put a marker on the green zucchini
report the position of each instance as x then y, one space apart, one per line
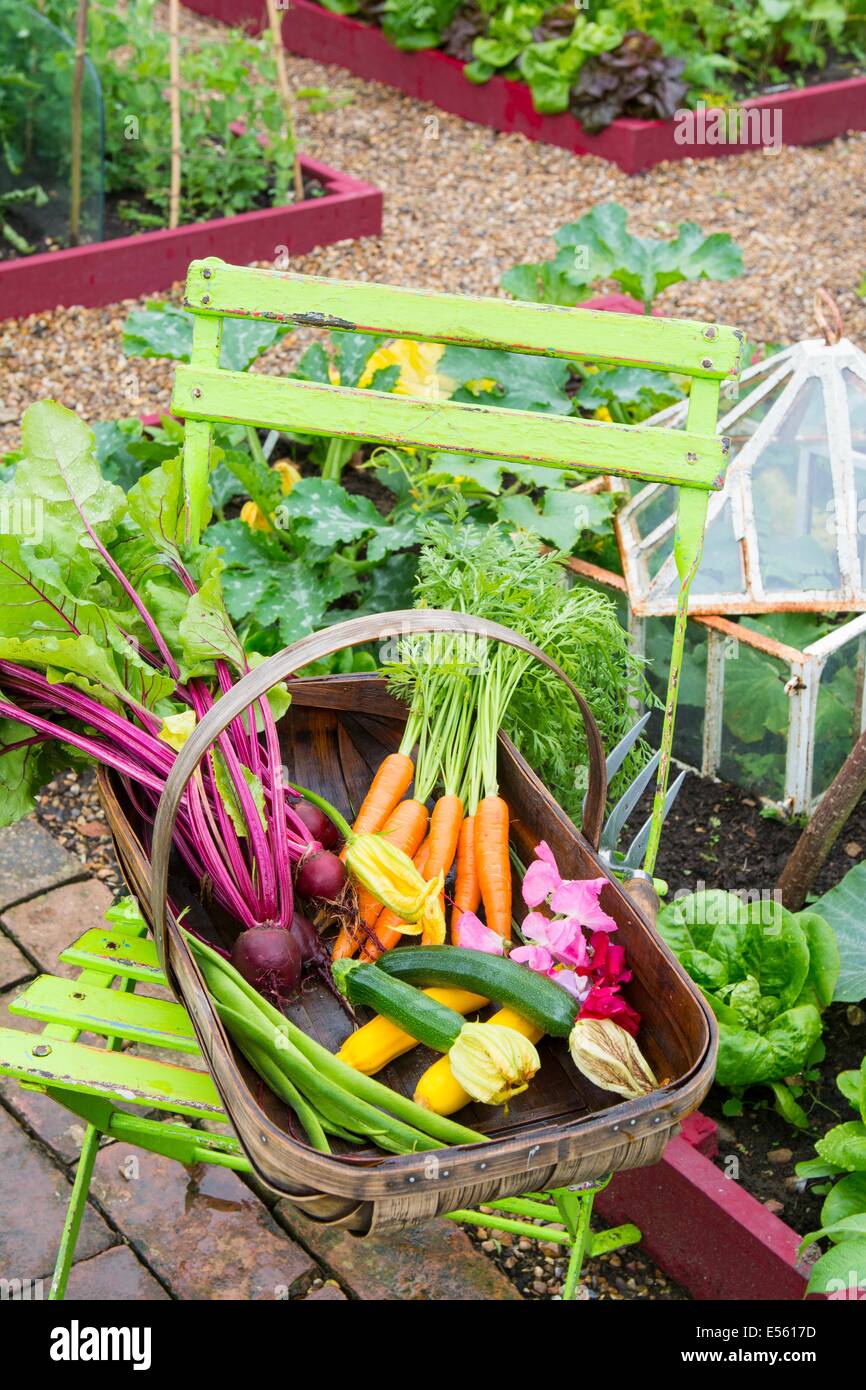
529 994
423 1018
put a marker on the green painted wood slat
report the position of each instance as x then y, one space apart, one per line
117 1076
702 349
112 1013
522 436
115 954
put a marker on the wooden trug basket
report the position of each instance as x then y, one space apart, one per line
562 1130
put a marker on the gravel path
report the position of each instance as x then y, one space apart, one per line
463 203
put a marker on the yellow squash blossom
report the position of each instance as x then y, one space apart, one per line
417 363
252 514
391 877
492 1063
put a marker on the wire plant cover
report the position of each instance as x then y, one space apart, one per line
784 535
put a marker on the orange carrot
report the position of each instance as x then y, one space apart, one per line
467 891
389 786
405 829
494 865
444 834
385 933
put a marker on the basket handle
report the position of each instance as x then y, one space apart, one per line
256 683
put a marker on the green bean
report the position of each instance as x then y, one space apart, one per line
279 1083
365 1088
343 1107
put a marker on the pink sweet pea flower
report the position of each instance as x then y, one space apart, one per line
563 937
542 877
578 985
472 933
578 897
536 957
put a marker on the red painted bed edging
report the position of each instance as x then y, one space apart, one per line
704 1229
808 116
107 271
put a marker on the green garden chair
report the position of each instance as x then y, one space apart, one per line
114 1091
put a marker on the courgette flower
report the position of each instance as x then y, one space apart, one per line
492 1063
417 363
609 1057
252 515
391 877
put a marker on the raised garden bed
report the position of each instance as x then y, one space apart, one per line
808 116
107 271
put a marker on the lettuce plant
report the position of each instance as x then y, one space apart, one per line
842 1155
767 974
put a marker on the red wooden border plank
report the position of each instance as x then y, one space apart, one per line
107 271
808 116
705 1230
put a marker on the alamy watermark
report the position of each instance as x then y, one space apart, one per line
22 517
22 1290
758 126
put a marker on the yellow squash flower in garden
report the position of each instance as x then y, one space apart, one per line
252 514
417 363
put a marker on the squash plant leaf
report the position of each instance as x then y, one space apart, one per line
162 330
564 516
639 392
323 512
483 376
842 906
644 266
549 282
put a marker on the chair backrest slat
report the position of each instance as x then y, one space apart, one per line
672 345
204 392
520 436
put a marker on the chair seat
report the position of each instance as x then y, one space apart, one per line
101 1001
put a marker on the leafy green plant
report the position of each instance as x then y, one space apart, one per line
599 247
236 154
842 906
414 24
637 78
517 39
842 1155
627 57
767 974
34 196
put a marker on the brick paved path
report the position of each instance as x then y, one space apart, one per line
154 1229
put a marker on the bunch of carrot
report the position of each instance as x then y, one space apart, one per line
455 713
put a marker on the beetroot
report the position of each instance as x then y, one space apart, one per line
306 936
270 959
320 826
321 875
